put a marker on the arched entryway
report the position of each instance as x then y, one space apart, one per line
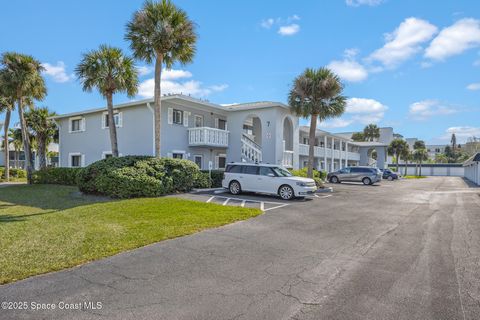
287 142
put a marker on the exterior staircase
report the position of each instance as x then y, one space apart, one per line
251 151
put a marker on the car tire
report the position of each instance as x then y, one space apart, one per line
366 181
334 179
286 192
234 187
390 178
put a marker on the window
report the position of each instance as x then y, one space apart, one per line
198 160
265 171
250 169
177 155
345 170
222 162
222 124
248 129
106 155
75 160
305 140
117 118
198 121
282 172
77 124
177 116
234 169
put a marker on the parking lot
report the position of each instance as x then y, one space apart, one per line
404 249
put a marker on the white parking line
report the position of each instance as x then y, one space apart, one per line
245 201
277 207
211 198
225 202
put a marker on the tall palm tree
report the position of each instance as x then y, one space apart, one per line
316 93
7 104
396 148
110 71
162 33
43 129
419 144
15 136
406 156
371 132
25 82
420 155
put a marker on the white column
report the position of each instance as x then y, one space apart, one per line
333 154
346 153
325 153
340 153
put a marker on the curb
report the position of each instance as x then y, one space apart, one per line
325 190
206 190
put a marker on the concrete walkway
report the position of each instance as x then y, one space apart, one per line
402 250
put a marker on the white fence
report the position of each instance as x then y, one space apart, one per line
472 169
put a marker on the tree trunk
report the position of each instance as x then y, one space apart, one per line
17 157
42 152
396 158
406 167
26 142
158 105
311 144
112 128
7 150
420 172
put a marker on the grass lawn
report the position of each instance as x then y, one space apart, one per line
47 227
414 177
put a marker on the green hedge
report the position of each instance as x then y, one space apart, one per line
14 173
65 176
318 176
138 176
217 177
202 181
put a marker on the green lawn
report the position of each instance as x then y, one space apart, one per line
414 177
47 227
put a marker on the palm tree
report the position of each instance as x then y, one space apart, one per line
358 136
43 129
420 155
22 78
7 104
316 93
110 71
163 33
419 144
15 136
371 132
406 156
396 148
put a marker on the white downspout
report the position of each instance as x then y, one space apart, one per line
153 127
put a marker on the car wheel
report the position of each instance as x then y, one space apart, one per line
366 181
235 187
390 178
286 192
334 179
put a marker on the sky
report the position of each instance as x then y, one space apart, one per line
412 65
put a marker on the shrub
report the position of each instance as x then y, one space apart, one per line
138 176
202 180
217 177
318 176
65 176
14 173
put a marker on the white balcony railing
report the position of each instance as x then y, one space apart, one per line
205 136
320 152
251 151
317 151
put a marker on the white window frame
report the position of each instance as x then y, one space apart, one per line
176 111
82 124
217 160
115 113
201 159
195 117
76 154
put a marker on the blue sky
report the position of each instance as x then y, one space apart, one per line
413 65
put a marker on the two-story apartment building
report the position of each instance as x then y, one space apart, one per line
206 133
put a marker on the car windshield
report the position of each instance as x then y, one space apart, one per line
282 172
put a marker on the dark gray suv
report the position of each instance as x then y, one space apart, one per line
367 175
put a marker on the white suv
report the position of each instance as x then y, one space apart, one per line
266 178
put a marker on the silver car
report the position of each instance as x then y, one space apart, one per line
367 175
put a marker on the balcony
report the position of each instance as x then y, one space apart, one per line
317 151
287 159
320 152
207 137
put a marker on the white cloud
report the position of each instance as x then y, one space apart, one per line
404 42
462 133
358 110
425 109
473 86
476 63
348 68
57 72
289 30
357 3
267 23
144 70
172 83
462 35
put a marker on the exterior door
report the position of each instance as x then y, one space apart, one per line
248 178
266 181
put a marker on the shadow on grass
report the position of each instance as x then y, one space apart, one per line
4 218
